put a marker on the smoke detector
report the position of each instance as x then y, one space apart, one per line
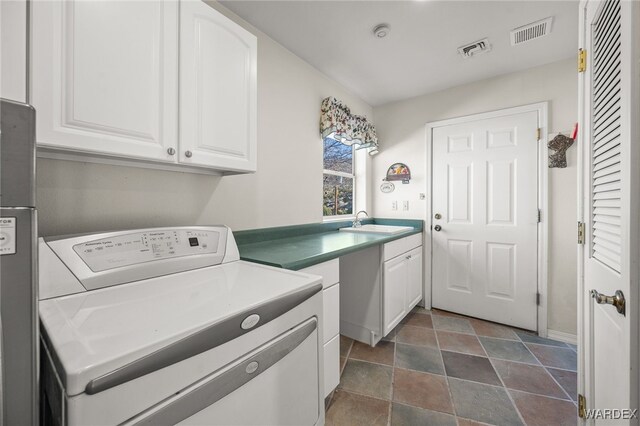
381 30
475 48
531 31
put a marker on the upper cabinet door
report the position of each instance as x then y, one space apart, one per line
104 77
217 90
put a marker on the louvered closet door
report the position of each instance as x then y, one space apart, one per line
606 179
606 139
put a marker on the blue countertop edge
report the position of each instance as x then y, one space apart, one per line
279 235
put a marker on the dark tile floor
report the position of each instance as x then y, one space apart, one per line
438 368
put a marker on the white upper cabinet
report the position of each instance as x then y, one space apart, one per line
217 90
113 81
104 77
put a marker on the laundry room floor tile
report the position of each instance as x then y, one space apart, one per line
528 378
418 320
406 415
550 356
455 324
470 367
533 338
483 403
440 368
419 358
418 336
381 354
507 349
567 379
539 410
459 342
366 378
422 390
490 329
350 409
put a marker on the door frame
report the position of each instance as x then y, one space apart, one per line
542 109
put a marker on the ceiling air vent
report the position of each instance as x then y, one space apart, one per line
474 48
531 31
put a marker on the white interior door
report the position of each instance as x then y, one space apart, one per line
485 215
609 187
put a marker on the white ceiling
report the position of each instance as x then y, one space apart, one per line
420 53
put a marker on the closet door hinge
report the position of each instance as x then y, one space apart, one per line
539 216
582 60
538 133
580 232
537 299
582 406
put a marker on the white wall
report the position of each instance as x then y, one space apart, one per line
287 189
401 130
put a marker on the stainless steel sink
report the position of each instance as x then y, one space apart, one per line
378 229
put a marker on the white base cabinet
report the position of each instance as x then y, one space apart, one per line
402 287
380 286
159 82
330 273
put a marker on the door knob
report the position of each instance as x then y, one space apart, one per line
188 154
437 228
616 300
438 216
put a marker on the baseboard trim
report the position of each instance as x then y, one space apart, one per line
562 336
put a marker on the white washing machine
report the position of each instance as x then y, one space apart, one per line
167 326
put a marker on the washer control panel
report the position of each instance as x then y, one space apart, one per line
141 247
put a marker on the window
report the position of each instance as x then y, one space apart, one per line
338 179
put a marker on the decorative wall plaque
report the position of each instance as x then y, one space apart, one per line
399 171
559 144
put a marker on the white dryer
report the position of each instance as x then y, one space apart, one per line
167 326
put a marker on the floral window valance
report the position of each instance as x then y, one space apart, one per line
338 124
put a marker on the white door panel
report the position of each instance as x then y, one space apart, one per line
608 172
485 190
104 77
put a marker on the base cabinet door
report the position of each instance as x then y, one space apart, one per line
394 292
103 77
414 277
217 90
331 365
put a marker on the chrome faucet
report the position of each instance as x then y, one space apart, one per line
356 222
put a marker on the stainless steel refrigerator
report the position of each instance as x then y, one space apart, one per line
18 265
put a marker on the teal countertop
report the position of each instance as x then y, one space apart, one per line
298 247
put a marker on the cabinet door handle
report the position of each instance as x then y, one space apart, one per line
171 151
188 154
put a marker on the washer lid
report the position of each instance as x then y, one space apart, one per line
106 337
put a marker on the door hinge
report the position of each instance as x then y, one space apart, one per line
539 216
538 133
582 406
537 299
582 60
580 232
